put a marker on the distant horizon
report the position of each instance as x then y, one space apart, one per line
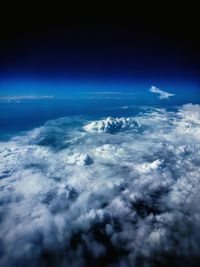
66 87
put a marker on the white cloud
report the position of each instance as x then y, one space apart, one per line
108 151
110 125
149 166
162 94
136 204
79 159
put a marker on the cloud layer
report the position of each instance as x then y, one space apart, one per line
72 197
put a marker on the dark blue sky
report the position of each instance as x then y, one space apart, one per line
139 48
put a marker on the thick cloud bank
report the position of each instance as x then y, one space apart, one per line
162 94
72 198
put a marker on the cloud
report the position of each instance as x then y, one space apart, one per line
162 94
191 113
20 98
148 167
125 199
79 159
110 125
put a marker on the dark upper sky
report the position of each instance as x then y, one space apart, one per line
133 44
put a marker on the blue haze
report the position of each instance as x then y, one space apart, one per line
84 98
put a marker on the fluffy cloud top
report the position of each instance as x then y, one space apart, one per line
110 125
71 198
162 94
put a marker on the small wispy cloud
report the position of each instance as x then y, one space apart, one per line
29 97
162 94
74 197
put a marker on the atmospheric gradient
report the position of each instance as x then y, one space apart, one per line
99 138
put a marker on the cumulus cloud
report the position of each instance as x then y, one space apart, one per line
125 199
148 167
79 159
110 125
162 94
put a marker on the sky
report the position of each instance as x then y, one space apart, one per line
144 47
